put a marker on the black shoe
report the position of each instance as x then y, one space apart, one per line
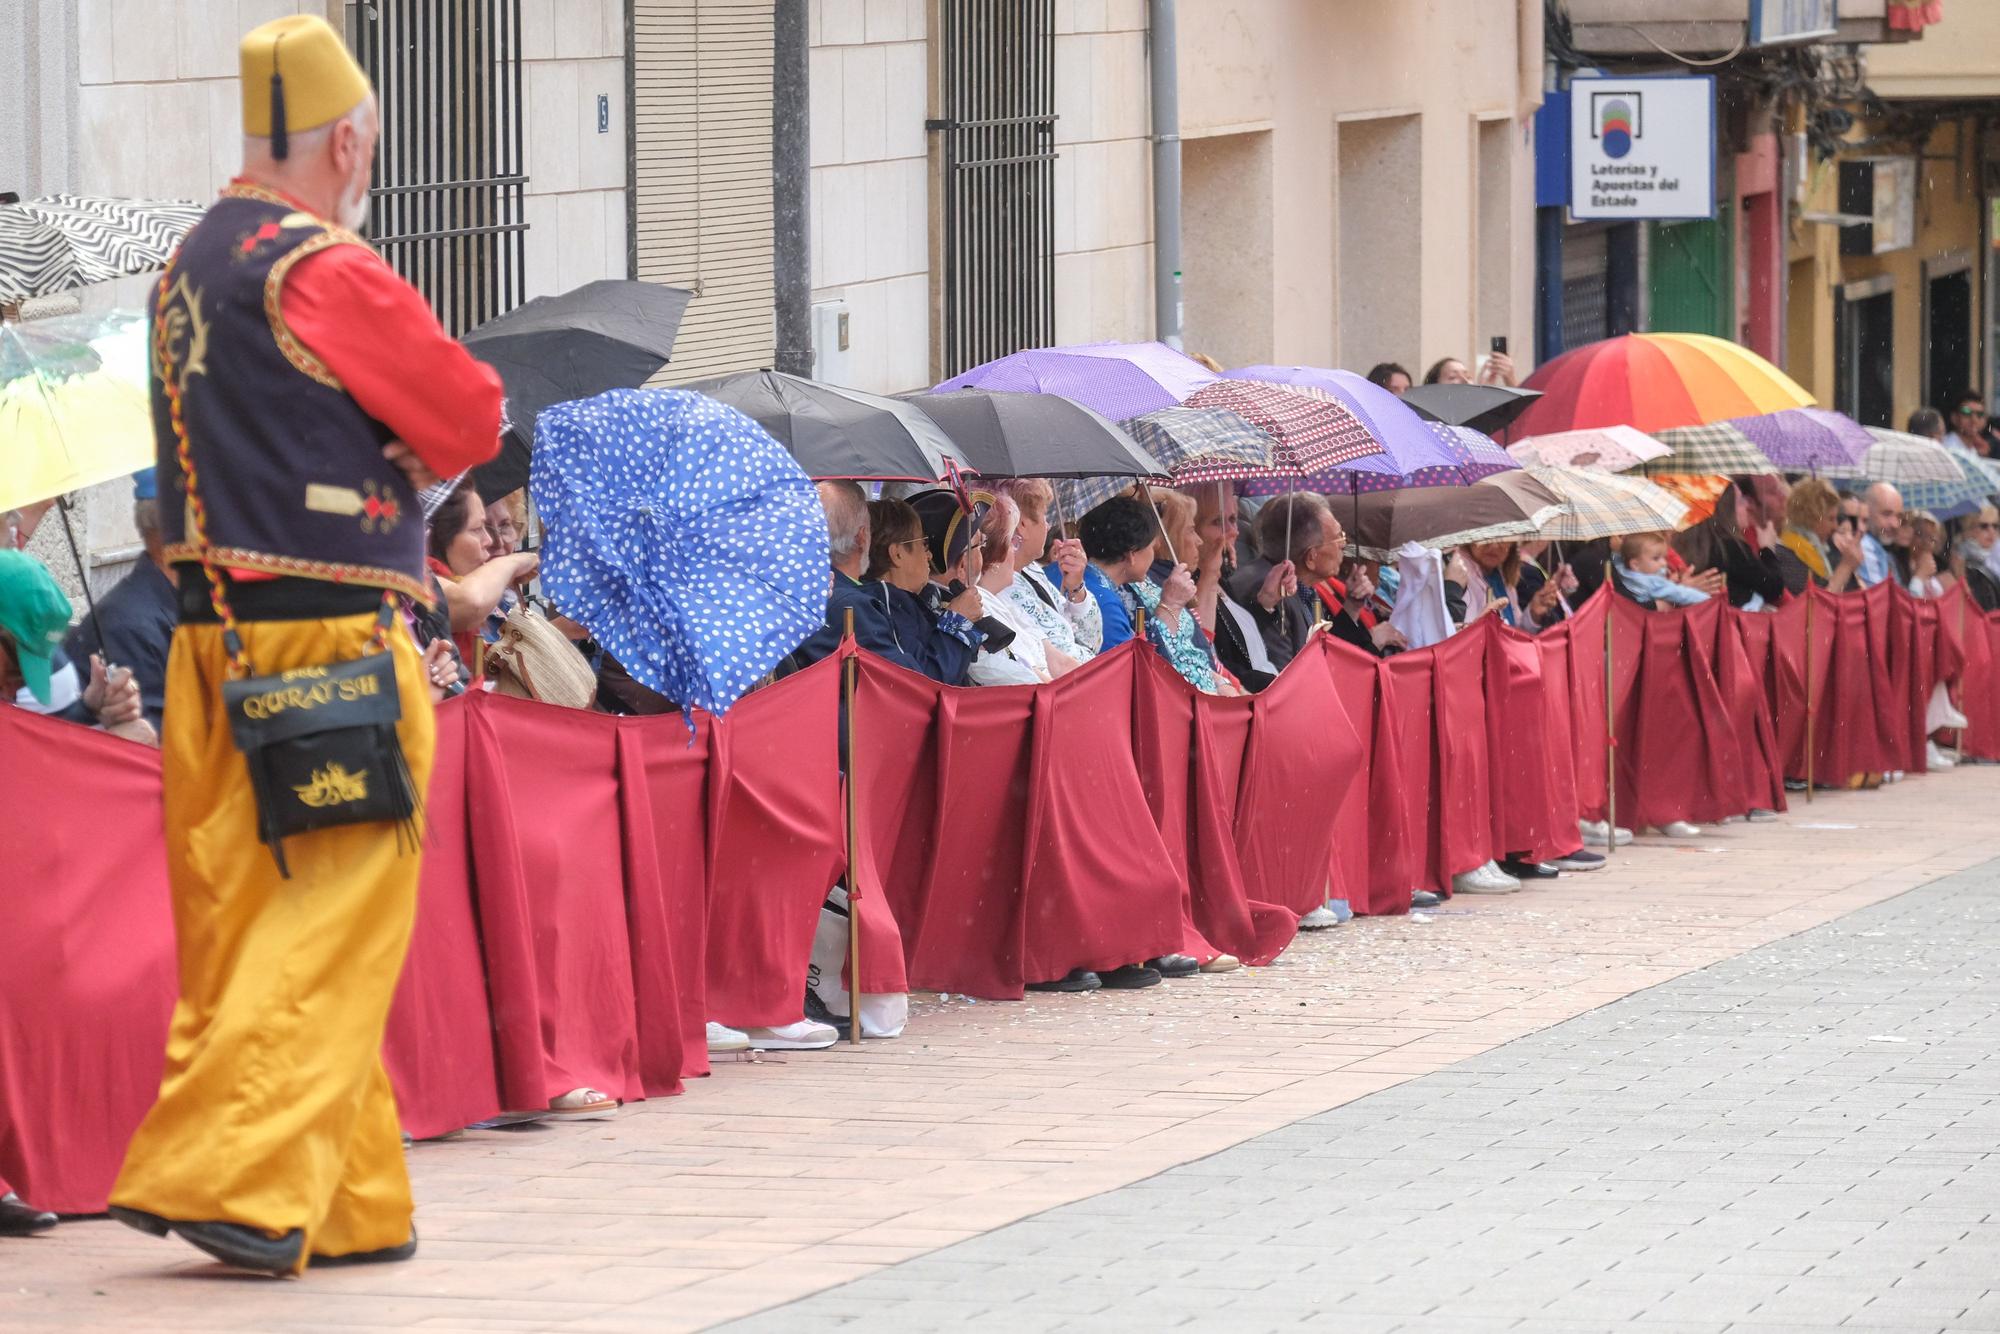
1424 898
18 1218
1131 977
1174 965
1581 860
1524 871
151 1224
1078 979
386 1256
245 1247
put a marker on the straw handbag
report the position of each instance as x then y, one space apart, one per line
534 660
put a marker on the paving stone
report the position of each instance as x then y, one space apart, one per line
1761 1219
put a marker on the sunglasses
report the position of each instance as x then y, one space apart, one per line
1972 412
1987 526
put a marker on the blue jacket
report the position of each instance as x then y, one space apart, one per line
893 624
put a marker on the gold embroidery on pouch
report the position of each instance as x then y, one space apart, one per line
324 499
334 786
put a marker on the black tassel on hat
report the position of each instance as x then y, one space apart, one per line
279 147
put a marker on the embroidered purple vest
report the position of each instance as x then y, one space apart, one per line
290 467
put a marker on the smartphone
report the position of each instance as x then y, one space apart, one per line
1500 344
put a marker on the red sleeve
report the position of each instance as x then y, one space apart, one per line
378 337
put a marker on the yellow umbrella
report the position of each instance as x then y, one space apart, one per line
73 405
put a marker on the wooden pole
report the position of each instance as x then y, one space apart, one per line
1963 598
1809 689
848 673
1610 717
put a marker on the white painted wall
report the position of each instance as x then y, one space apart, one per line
155 112
871 179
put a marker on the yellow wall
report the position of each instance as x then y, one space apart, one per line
1948 223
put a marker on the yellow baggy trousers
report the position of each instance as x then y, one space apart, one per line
274 1110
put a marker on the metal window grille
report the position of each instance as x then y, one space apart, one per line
997 134
448 199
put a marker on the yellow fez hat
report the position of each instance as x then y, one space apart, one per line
297 76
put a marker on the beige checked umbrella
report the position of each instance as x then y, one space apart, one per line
1720 450
1601 504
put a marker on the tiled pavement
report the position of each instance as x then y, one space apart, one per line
1806 1137
776 1180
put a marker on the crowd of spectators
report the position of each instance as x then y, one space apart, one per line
983 588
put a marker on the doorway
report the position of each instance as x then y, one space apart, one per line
1865 336
1947 337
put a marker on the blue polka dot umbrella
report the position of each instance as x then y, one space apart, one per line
682 536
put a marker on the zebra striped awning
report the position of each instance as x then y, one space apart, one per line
60 242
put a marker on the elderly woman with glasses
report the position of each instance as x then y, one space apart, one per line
1975 557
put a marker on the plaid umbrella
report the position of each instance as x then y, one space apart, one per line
1309 434
1903 460
1120 380
62 242
1607 448
1806 439
1602 504
1915 465
1720 450
1193 444
1988 468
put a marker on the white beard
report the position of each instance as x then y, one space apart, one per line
354 211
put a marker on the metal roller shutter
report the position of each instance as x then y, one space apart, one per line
701 175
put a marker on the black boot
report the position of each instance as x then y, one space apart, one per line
18 1218
387 1255
245 1247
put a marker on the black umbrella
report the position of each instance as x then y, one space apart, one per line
1035 435
835 432
613 334
1488 408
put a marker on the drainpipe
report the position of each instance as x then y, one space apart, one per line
791 177
1160 24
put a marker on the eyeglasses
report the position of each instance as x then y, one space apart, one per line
1987 526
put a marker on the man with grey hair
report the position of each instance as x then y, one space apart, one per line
134 623
1885 523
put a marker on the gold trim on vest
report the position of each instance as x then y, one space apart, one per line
257 562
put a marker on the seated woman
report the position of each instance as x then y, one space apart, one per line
1168 594
898 575
477 584
1068 617
1029 651
1751 575
1814 546
1971 558
1490 574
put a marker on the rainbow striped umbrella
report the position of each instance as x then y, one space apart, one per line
1655 382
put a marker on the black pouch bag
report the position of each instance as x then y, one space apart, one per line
321 746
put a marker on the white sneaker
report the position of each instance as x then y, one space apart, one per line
721 1037
1948 714
805 1035
1762 815
1487 879
1597 833
1680 829
1319 919
1936 759
1894 776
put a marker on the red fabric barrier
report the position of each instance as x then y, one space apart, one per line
597 888
777 842
89 981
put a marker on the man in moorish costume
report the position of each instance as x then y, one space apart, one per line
302 393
